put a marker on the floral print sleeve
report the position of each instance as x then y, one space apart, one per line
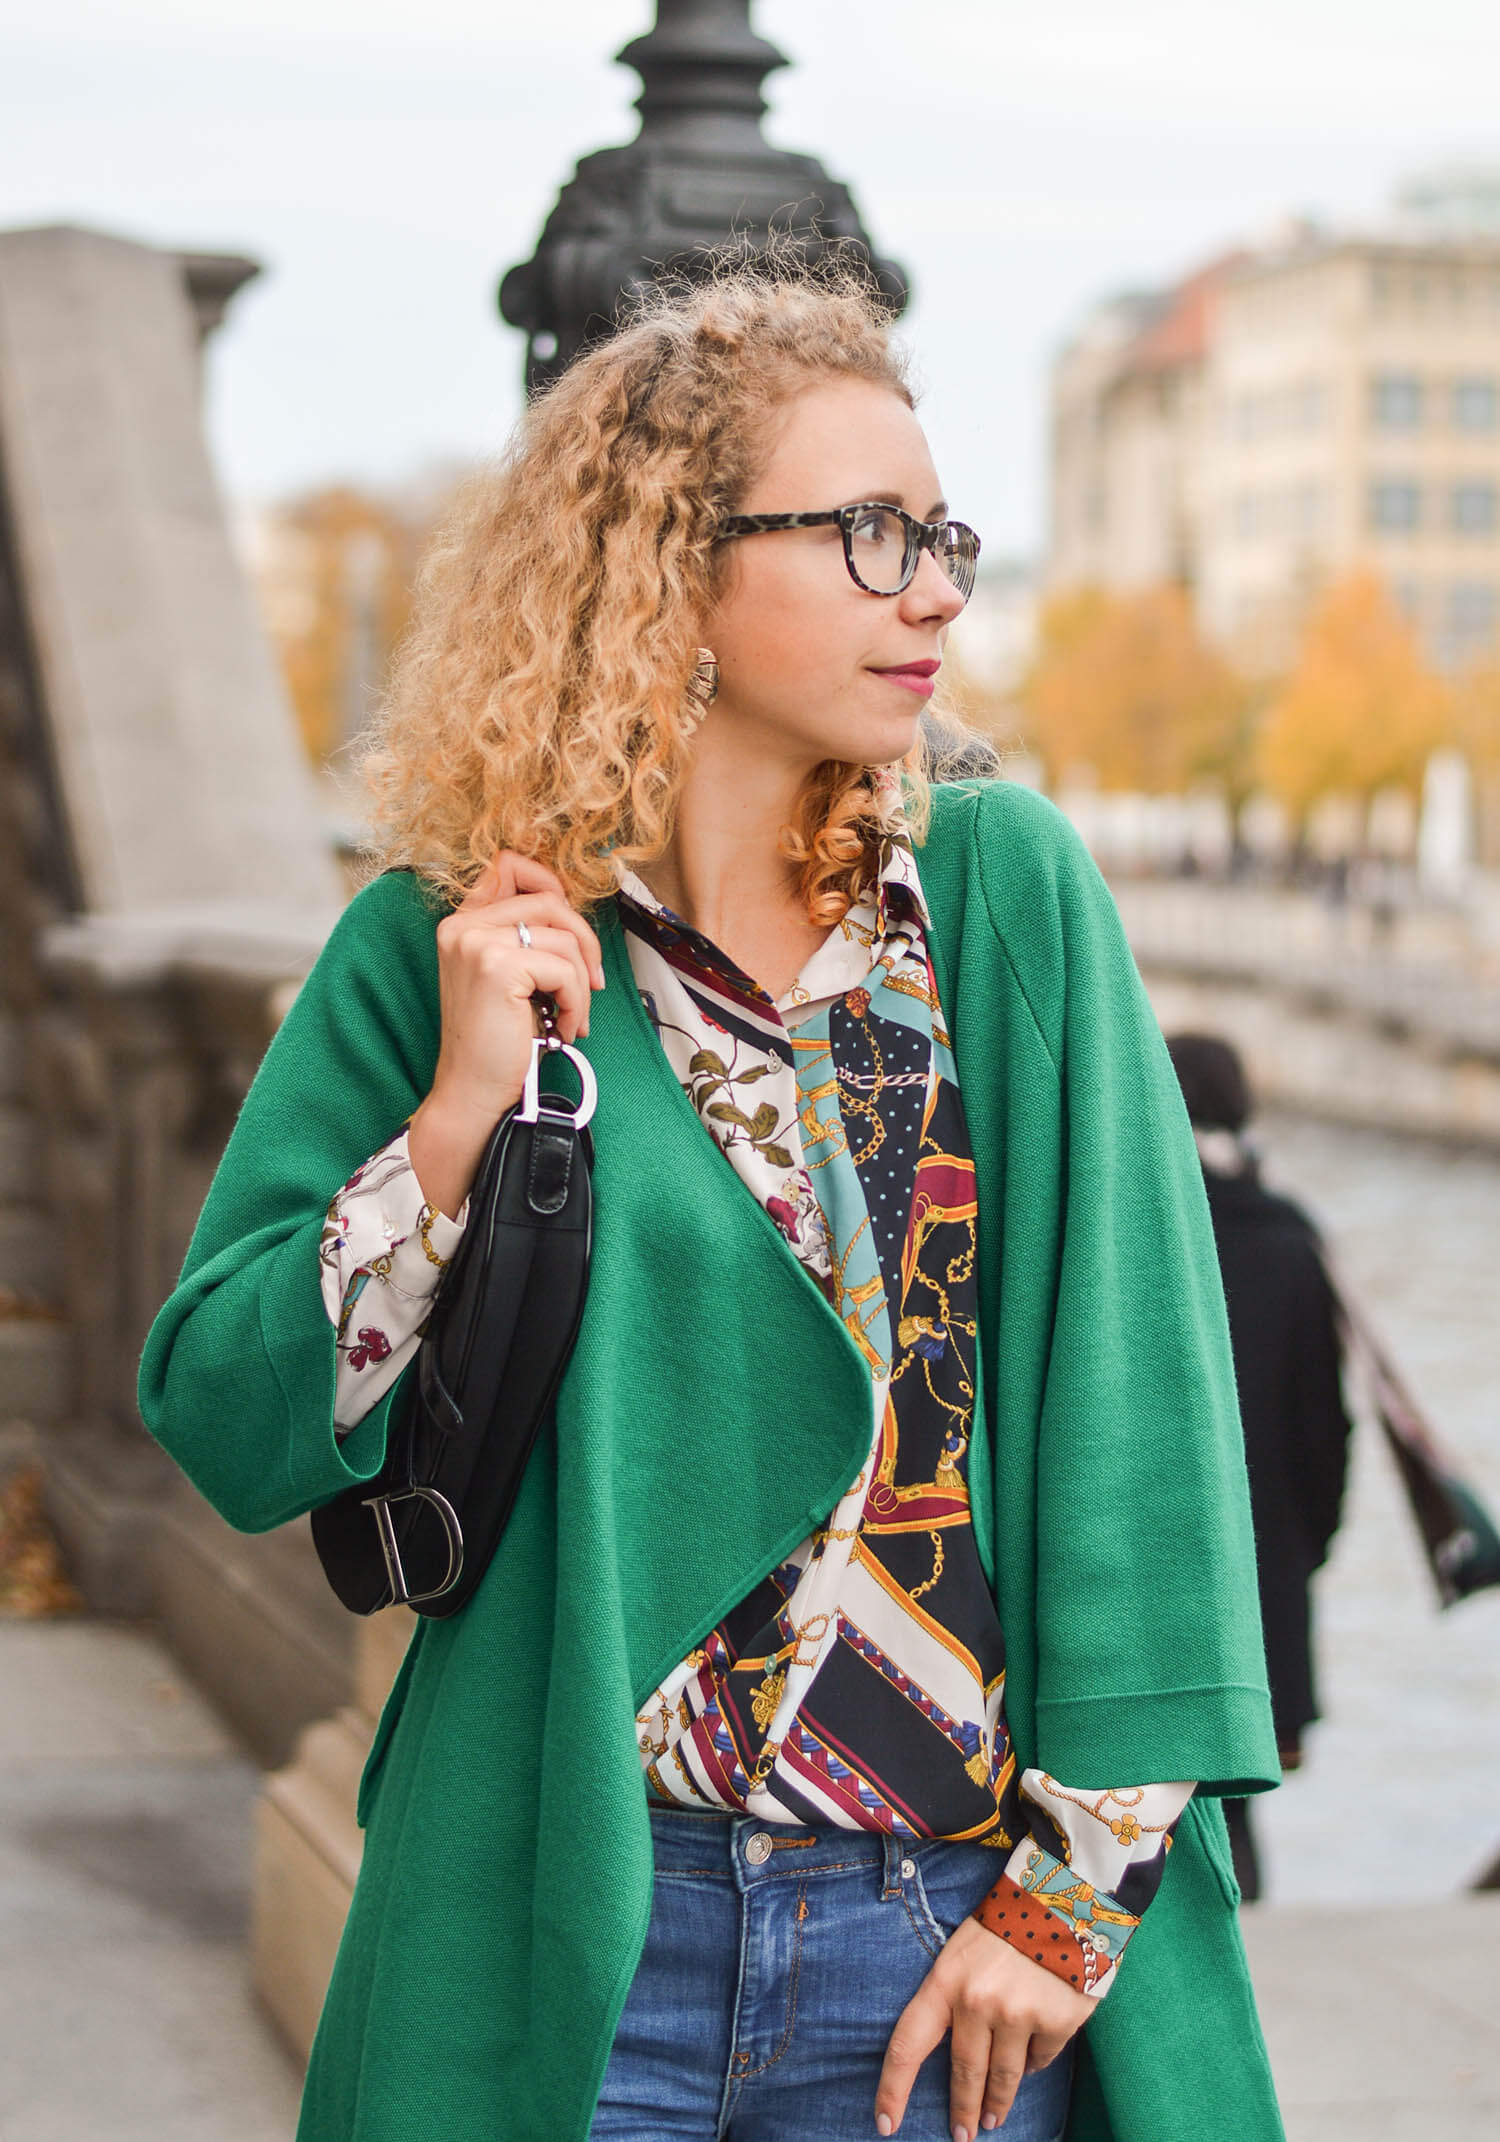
382 1253
1073 1891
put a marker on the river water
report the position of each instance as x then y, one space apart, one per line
1399 1796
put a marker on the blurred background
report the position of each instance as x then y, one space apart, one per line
1206 308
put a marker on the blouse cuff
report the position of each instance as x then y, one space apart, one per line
1040 1907
383 1251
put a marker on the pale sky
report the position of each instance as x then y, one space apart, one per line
387 162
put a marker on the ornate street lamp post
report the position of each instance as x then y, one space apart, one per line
699 172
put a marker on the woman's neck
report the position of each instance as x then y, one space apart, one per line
723 871
723 862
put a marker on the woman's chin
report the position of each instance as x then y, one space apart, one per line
876 736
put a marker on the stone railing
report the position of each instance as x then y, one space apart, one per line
141 1042
1346 1012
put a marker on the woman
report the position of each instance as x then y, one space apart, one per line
812 1748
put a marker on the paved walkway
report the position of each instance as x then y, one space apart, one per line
125 2013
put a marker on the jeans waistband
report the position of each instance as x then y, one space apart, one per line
739 1850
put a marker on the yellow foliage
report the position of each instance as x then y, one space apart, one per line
346 561
1123 684
1361 710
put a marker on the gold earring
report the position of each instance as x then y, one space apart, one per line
702 689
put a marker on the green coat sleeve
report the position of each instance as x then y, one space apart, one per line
237 1377
1148 1622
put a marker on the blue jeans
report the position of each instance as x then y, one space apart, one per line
775 1967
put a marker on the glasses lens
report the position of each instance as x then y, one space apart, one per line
957 552
878 548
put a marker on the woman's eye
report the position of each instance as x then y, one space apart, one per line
872 528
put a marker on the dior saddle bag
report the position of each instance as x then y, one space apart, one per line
506 1313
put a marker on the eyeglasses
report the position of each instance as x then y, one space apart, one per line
882 545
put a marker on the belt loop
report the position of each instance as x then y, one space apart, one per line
891 1870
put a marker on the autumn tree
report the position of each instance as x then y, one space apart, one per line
1124 685
335 572
1361 710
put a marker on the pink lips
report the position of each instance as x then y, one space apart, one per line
918 677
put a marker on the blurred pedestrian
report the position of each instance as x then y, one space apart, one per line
1288 1363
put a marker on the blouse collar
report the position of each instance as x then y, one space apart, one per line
897 894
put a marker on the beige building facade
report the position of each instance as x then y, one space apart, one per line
1285 417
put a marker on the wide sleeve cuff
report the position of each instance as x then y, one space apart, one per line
1220 1734
1055 1926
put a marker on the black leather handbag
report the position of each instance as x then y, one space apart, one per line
502 1325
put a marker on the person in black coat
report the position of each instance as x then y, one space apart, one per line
1288 1365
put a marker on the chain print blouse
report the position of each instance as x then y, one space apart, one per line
861 1684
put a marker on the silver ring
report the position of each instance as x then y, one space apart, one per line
524 934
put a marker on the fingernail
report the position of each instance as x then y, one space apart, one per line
990 2121
960 2134
883 2123
599 982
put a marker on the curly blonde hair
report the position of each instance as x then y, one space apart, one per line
537 699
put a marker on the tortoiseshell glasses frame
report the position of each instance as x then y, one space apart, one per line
869 530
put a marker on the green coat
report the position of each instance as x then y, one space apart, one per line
506 1883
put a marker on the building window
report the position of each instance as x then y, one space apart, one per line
1396 401
1471 615
1474 404
1395 505
1473 508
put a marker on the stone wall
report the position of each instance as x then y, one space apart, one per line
165 880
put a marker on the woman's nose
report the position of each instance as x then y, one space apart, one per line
931 593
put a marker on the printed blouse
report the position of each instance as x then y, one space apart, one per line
861 1684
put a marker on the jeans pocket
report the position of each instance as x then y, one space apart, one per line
948 1882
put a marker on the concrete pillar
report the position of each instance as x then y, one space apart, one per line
178 771
307 1844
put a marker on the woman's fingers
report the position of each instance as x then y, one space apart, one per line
508 873
556 952
1006 2013
1045 2047
920 2029
555 975
542 905
1007 2065
980 2063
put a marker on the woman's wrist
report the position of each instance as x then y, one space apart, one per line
445 1143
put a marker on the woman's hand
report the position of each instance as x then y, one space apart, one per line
486 980
1007 2014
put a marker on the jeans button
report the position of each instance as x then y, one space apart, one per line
758 1848
908 1869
